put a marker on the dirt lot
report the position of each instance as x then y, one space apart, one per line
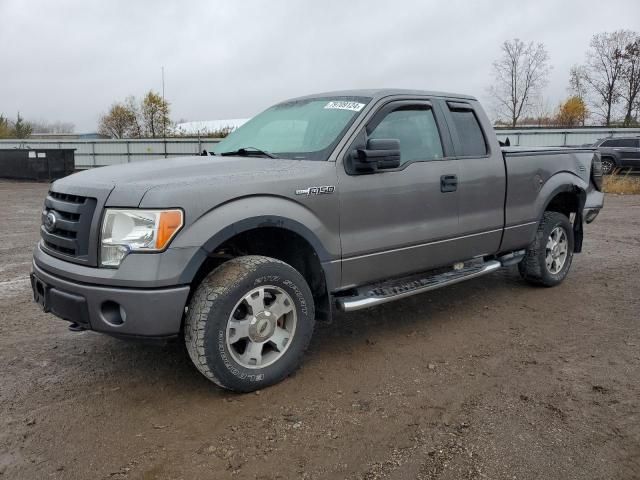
487 379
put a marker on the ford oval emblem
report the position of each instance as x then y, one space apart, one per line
50 221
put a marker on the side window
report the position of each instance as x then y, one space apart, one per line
472 139
627 143
417 131
621 143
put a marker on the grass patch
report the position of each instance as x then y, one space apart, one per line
621 184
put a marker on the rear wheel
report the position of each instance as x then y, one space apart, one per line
548 258
249 323
608 165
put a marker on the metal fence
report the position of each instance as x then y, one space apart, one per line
96 153
554 137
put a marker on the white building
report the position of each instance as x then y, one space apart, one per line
205 127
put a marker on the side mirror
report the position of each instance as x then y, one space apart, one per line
381 153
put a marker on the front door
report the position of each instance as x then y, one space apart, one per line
395 222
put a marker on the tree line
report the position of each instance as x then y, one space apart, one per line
146 118
17 128
605 89
132 118
21 128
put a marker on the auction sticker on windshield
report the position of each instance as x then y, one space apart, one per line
341 105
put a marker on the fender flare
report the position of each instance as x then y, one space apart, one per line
576 187
559 183
266 221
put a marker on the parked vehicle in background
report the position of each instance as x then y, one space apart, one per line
619 152
340 200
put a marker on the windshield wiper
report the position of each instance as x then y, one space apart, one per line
247 151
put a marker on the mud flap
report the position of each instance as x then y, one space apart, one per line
578 233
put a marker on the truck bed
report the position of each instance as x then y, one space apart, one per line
527 187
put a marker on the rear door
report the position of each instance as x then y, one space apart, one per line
394 222
481 179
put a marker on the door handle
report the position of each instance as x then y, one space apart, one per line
448 183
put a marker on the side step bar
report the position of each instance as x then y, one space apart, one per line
387 292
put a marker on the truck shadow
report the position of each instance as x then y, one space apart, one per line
170 365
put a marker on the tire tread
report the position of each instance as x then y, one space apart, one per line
217 284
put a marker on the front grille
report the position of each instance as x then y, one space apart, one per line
69 234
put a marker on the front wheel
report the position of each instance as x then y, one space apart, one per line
249 323
548 258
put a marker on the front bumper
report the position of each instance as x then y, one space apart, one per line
138 312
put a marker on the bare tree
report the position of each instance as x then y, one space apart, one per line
135 127
578 88
118 122
578 82
604 68
519 74
43 126
630 79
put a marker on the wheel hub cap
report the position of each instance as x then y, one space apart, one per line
557 250
262 327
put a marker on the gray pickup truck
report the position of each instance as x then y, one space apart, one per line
335 201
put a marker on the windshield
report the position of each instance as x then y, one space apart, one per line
300 129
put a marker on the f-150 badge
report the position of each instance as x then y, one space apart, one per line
316 190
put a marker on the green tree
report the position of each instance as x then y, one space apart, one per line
21 129
5 127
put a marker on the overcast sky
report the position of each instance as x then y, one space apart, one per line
70 60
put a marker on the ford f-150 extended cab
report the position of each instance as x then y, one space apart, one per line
341 200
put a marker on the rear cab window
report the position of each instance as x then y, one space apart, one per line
471 139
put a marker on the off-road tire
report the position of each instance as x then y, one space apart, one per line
533 267
211 307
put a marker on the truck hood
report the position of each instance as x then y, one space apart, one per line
196 184
129 183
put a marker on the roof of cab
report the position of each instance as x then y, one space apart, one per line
377 93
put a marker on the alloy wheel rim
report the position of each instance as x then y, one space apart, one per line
261 327
557 250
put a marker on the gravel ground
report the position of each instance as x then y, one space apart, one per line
490 378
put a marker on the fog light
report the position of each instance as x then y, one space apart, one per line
113 313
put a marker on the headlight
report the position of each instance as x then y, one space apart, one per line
125 231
